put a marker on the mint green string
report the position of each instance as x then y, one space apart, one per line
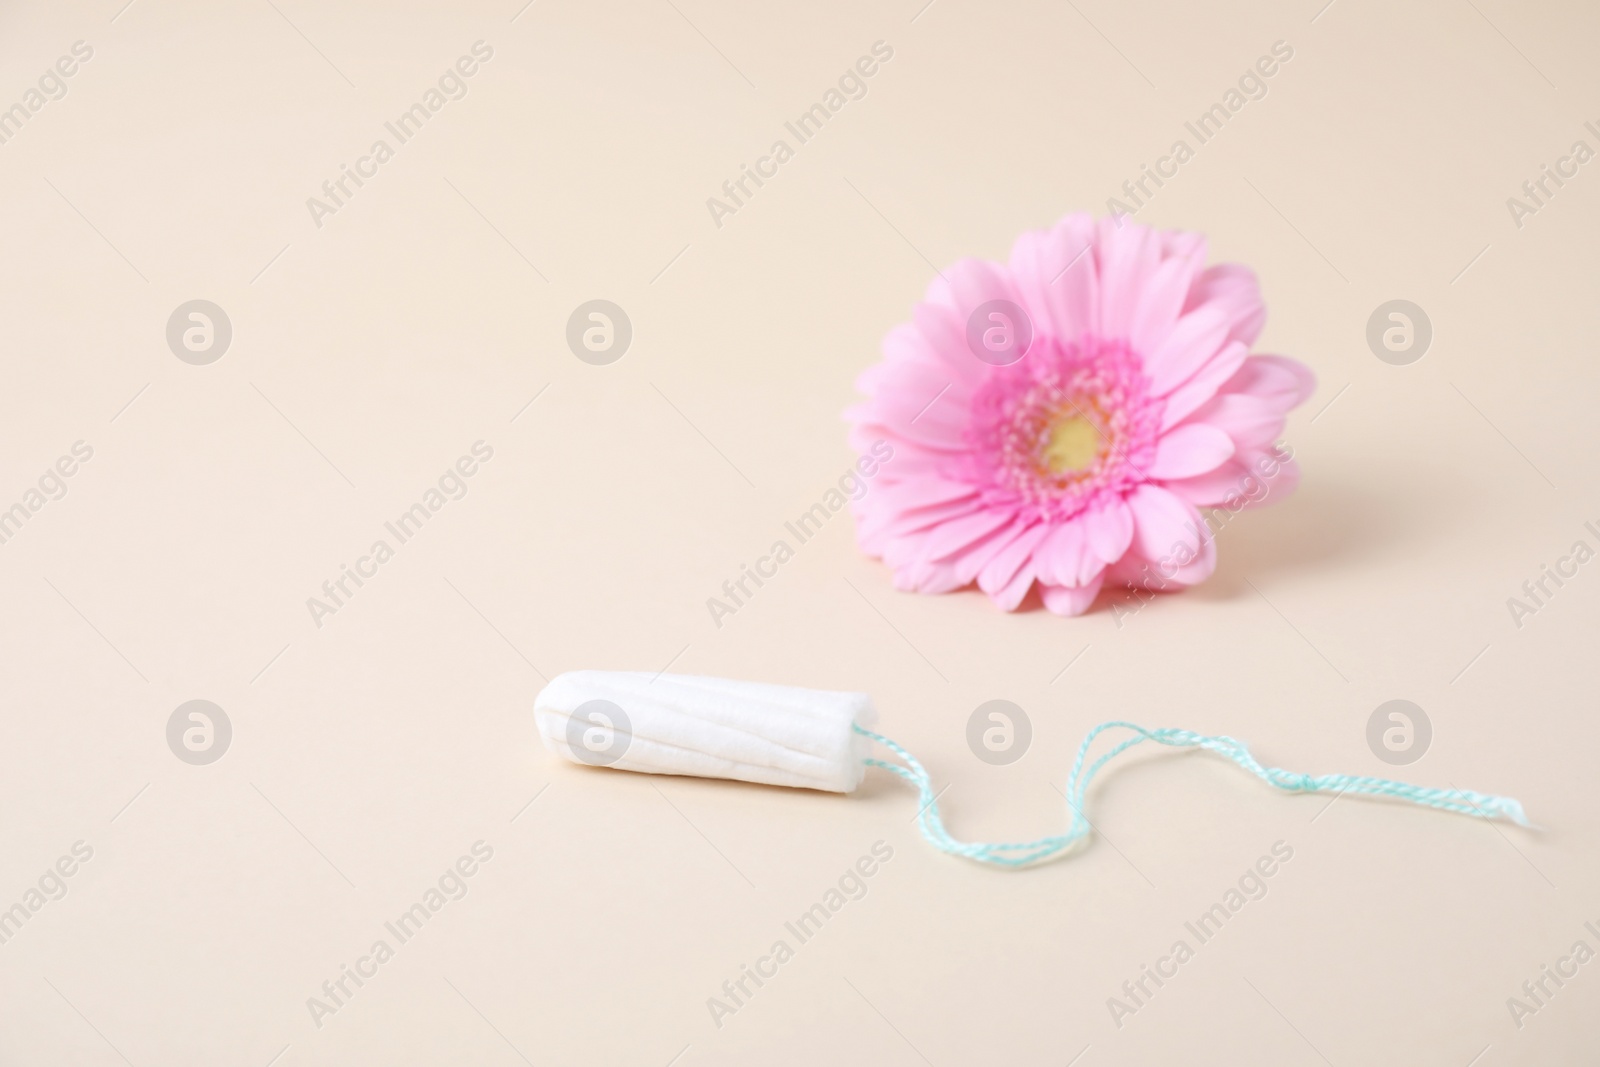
1022 853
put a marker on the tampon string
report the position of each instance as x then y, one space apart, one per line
1022 853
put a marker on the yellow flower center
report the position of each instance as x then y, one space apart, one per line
1074 445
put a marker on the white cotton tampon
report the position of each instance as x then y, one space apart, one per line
707 727
818 739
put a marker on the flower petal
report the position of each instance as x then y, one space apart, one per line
1071 599
941 318
1170 573
1190 450
1286 381
917 398
1109 529
1230 482
968 282
1059 556
1185 244
1128 255
1253 422
1010 561
1165 524
926 577
1234 289
1245 481
978 557
1158 304
900 532
1198 336
1200 567
959 535
1056 275
1205 384
922 493
1009 596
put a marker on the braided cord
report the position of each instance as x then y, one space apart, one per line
1022 853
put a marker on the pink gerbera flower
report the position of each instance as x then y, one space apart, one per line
1059 420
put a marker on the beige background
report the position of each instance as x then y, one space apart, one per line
370 353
